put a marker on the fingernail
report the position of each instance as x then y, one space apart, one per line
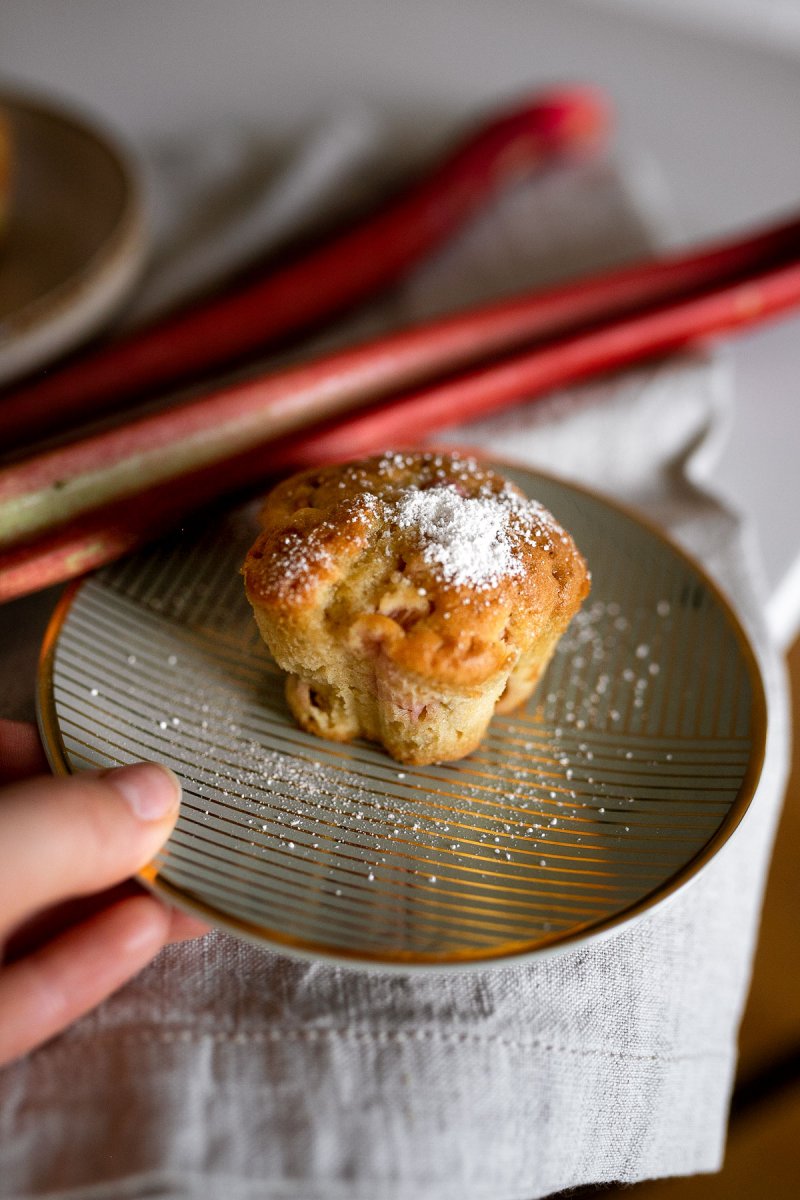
151 790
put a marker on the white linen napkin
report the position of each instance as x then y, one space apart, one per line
228 1071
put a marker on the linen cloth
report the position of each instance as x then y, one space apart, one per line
225 1070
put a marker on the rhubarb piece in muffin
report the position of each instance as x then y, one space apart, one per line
410 596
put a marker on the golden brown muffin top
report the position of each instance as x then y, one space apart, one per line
431 558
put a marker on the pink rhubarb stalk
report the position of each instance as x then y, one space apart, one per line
99 537
91 472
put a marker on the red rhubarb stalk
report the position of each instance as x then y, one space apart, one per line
100 537
343 271
91 472
595 352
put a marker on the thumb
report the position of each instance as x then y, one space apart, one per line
61 838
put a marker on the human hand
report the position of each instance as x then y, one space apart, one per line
73 925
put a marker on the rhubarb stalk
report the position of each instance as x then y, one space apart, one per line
91 472
99 537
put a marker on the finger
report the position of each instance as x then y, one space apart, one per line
21 752
51 922
48 924
183 928
42 994
61 838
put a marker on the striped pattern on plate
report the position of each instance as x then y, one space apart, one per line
631 765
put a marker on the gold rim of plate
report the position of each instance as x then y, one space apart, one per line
711 795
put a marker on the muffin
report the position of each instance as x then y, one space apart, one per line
410 596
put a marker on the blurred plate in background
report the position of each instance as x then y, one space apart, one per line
75 235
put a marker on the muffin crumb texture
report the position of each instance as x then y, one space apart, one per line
409 597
